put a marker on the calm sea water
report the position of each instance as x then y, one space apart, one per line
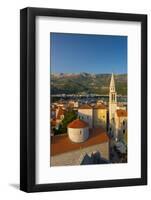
88 99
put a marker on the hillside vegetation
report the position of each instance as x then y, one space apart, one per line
85 83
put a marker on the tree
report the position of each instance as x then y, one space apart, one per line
69 116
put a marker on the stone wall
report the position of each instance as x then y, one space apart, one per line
78 134
74 157
86 115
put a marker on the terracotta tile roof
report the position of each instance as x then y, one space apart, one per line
62 144
59 113
85 106
100 106
78 123
121 113
53 122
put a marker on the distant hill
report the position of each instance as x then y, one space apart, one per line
85 83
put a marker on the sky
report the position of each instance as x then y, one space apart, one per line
98 54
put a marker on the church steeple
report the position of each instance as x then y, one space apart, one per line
112 100
112 93
112 107
112 84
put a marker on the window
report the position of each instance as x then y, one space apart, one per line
123 131
80 117
112 97
123 123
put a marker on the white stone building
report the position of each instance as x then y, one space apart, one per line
112 106
85 112
100 116
121 124
78 131
80 146
117 115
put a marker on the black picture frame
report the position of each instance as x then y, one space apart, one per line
28 99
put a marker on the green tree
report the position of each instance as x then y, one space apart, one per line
69 116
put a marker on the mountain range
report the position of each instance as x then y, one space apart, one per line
86 83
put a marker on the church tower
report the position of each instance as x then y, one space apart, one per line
112 105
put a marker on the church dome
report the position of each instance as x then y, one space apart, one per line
78 131
78 123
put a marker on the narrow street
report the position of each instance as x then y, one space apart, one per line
115 156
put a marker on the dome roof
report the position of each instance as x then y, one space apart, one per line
121 113
78 123
85 106
100 106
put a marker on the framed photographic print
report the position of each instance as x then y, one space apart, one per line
83 99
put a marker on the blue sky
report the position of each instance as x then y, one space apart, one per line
76 53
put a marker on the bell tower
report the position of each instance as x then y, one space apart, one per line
112 105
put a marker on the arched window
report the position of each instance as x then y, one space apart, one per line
112 97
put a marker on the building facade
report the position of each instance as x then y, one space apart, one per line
100 116
81 146
76 157
85 112
112 106
121 125
78 131
117 115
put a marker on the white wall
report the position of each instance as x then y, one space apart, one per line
9 98
78 134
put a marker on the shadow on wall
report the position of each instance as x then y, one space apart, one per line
100 123
94 158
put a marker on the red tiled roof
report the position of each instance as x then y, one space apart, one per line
85 106
53 122
62 143
121 113
78 123
100 106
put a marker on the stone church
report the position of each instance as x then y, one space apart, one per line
117 117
